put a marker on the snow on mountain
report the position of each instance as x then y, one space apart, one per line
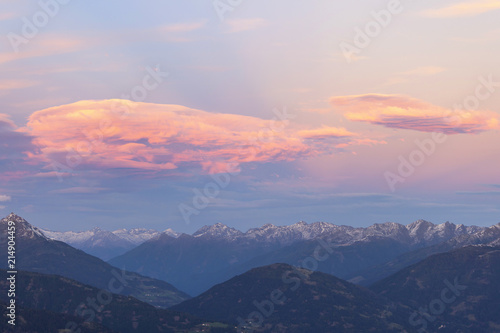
22 228
419 233
89 238
171 233
107 244
138 235
133 236
69 237
271 233
485 236
495 230
97 242
218 230
426 232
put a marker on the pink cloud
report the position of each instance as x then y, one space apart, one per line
239 25
182 27
404 112
326 133
6 122
469 8
46 45
113 134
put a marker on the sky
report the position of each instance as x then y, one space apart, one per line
180 114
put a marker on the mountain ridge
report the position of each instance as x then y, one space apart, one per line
37 253
283 298
420 231
215 253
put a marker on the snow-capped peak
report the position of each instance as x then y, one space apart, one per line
218 230
23 228
171 233
136 236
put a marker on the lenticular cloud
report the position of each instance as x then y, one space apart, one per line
404 112
112 134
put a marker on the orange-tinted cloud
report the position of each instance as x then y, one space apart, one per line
122 134
409 113
326 133
239 25
182 27
469 8
424 71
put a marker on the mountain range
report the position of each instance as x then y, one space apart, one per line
106 244
216 253
449 292
101 311
37 253
420 277
455 291
282 298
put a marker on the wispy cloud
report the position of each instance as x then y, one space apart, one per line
79 190
178 32
7 16
16 84
4 198
404 112
326 133
424 71
48 45
6 122
182 27
470 8
409 75
317 110
479 193
239 25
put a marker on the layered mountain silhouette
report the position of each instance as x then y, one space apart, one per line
283 298
422 278
38 321
484 236
456 291
106 244
74 306
37 253
216 253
